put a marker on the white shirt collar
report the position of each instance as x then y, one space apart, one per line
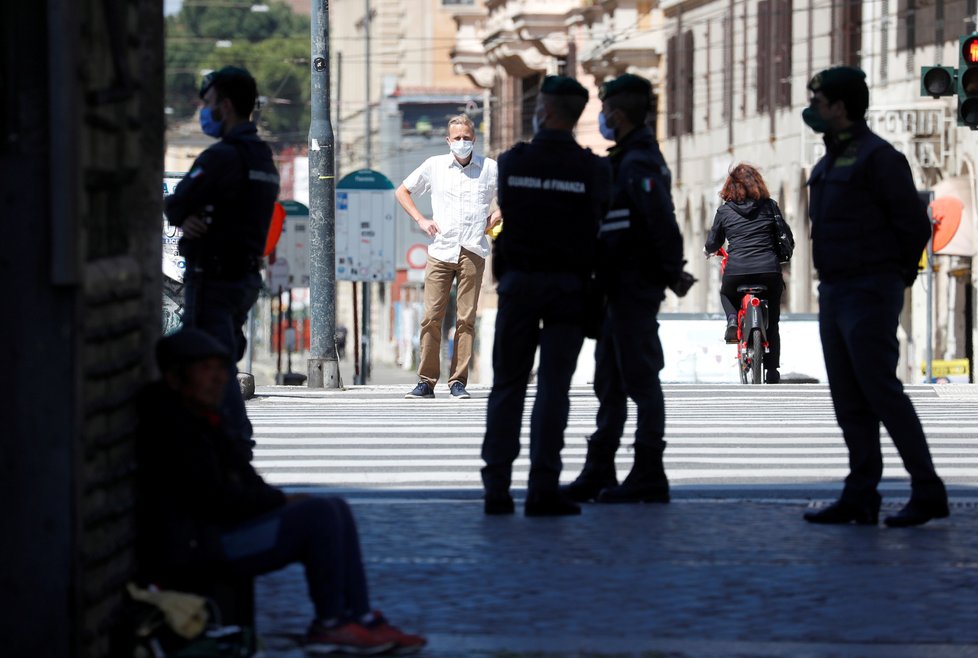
476 161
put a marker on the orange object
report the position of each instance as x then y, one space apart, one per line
947 217
275 228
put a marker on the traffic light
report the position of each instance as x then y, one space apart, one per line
937 81
968 82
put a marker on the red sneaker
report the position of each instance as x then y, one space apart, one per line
347 638
404 643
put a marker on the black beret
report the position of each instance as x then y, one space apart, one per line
226 74
561 85
838 81
627 82
188 346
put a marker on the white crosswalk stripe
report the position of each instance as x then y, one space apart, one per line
371 438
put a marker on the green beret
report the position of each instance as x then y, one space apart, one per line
228 73
561 85
627 82
838 80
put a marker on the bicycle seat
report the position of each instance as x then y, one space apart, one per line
753 290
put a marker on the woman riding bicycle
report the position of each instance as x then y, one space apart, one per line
746 221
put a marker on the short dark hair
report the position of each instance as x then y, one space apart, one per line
567 108
846 84
634 105
235 84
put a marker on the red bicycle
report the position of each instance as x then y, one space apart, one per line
752 343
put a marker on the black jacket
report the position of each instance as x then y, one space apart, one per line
866 215
748 228
192 484
639 240
552 192
237 178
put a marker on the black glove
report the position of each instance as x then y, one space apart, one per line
683 284
909 275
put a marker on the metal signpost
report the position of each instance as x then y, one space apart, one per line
323 367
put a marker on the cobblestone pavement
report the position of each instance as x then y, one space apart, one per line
737 575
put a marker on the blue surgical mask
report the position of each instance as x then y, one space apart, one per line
537 123
606 132
208 124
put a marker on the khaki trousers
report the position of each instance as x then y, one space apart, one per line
438 278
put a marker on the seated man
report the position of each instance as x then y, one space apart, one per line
204 512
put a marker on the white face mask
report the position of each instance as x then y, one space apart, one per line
461 148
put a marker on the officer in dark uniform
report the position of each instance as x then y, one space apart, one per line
552 193
868 231
224 206
640 254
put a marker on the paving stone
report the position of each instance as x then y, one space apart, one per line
688 578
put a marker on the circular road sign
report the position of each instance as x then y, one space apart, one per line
417 256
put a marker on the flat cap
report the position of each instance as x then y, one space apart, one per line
838 81
629 82
188 346
561 85
228 73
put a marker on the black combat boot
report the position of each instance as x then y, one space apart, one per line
598 473
646 483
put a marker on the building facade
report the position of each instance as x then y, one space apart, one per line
81 160
730 78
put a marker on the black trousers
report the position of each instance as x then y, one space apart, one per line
220 307
628 358
857 323
319 533
730 300
542 310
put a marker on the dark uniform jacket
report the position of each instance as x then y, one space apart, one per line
866 215
237 178
639 240
192 484
748 226
551 193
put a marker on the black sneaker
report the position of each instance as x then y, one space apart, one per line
730 334
772 376
458 391
422 390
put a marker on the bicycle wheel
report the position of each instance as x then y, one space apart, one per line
743 365
755 355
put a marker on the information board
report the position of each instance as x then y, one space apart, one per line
293 246
365 232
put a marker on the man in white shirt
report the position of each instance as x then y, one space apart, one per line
462 187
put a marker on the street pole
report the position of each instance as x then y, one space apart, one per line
323 368
366 86
365 286
930 294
